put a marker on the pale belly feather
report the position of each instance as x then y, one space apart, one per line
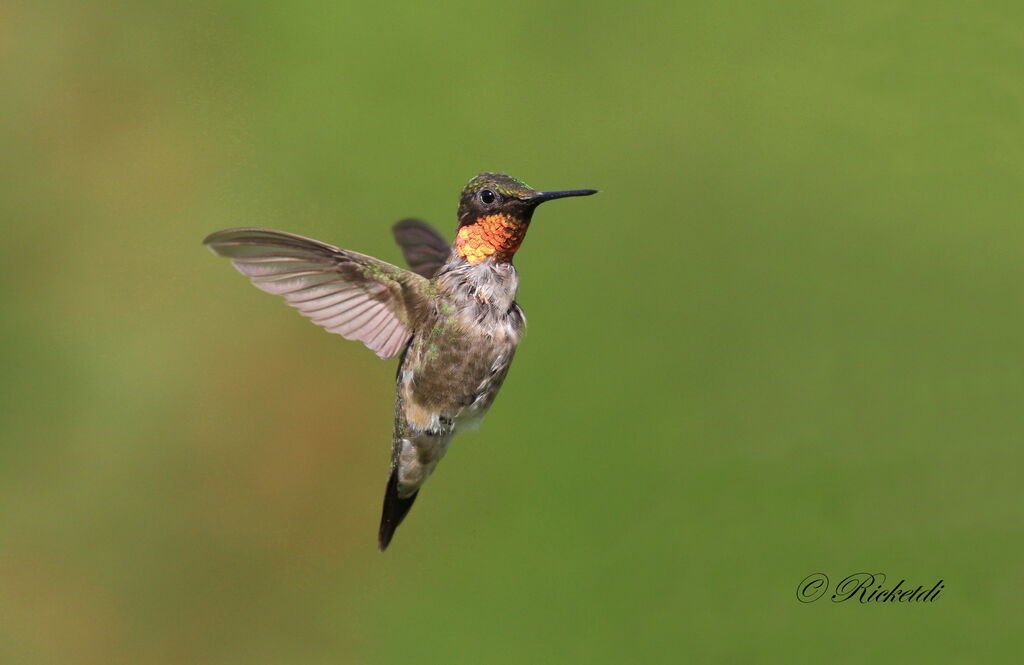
445 386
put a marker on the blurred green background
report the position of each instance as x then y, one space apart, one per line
786 337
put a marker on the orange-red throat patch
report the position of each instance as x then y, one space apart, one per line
499 235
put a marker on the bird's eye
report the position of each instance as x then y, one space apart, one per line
487 197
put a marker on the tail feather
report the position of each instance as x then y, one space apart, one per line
395 509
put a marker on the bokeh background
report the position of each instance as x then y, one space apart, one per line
785 338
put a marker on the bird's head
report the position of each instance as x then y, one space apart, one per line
494 213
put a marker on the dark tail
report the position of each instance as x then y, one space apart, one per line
394 512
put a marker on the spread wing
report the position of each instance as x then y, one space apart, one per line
350 294
425 249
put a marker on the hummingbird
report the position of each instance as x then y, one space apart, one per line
452 317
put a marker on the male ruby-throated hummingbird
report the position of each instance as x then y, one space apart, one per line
453 316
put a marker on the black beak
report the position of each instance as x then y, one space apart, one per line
541 197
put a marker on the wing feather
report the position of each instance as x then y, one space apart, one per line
354 295
317 291
424 249
330 302
396 342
